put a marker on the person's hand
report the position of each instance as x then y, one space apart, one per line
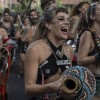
57 87
63 89
57 84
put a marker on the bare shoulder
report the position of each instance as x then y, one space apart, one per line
2 29
34 50
36 46
86 34
85 40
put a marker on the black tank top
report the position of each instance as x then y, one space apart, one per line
50 66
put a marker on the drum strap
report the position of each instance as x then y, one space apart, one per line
96 39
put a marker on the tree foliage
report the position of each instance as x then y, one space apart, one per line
26 4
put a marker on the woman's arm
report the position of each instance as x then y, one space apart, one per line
84 48
31 71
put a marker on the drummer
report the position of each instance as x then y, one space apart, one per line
89 45
48 56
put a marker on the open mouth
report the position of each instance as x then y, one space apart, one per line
64 30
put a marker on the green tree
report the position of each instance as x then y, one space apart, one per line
58 2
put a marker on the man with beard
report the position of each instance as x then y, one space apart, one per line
34 17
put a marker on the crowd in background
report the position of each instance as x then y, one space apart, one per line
26 32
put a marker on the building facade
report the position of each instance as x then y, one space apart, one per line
7 3
72 1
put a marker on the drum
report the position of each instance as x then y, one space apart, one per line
79 81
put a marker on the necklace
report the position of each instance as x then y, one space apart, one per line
96 38
59 54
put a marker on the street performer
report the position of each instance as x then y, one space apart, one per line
48 56
89 45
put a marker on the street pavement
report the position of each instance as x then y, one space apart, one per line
15 86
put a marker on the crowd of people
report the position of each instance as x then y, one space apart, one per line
45 45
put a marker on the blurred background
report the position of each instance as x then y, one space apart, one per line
20 5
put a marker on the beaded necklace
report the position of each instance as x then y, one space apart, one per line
96 39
